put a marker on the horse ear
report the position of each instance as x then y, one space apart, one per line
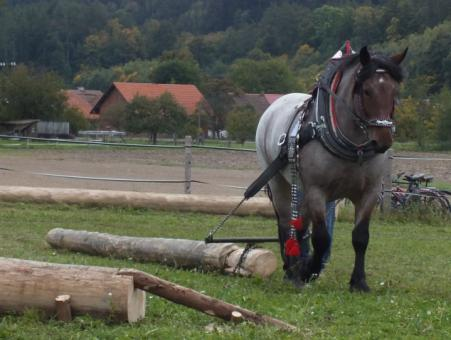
398 58
365 57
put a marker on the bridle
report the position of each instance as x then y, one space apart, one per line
364 124
325 118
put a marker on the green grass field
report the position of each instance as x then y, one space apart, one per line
408 269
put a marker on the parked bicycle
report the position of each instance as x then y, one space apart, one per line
414 190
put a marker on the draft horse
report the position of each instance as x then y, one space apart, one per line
339 135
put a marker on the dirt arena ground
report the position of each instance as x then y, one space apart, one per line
226 168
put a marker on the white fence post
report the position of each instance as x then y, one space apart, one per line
188 162
387 183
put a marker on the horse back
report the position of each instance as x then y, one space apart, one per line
274 122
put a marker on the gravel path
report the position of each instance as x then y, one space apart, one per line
215 167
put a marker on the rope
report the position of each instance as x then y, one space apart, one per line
119 179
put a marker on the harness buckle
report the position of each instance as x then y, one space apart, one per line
282 139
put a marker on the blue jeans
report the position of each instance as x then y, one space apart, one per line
330 221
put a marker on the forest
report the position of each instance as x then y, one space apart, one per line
224 46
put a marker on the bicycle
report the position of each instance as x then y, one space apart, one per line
418 192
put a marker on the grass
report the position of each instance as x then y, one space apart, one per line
408 269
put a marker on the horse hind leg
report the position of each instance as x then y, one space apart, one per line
315 210
281 200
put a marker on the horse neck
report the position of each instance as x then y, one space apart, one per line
345 119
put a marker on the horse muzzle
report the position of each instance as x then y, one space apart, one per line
381 138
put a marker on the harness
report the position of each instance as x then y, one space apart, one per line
323 127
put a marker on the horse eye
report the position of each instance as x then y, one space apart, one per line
367 92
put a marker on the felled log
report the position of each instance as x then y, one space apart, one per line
96 291
199 203
174 252
201 302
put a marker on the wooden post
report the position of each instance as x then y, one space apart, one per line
387 183
188 163
63 309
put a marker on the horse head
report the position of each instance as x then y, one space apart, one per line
375 95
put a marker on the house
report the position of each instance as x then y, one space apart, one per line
120 93
259 101
83 100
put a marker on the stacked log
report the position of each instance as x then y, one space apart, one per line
174 252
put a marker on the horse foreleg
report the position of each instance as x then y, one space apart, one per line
360 239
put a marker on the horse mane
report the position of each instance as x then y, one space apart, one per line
378 61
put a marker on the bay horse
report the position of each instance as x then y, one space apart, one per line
348 121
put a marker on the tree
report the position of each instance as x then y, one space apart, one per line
113 45
242 123
442 104
176 71
162 114
28 94
271 75
219 94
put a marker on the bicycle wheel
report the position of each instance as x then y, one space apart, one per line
434 200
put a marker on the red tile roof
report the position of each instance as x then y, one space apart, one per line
272 97
84 100
186 95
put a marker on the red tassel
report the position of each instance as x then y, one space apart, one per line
297 223
292 247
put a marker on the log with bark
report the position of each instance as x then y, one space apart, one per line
175 252
98 291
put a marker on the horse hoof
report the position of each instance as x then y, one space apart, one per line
295 281
359 287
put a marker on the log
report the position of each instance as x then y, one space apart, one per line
174 252
209 204
96 291
201 302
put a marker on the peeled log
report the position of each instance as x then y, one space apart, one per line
199 203
174 252
97 291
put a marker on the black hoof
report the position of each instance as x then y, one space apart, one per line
307 272
295 281
359 286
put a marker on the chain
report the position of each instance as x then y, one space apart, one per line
247 249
